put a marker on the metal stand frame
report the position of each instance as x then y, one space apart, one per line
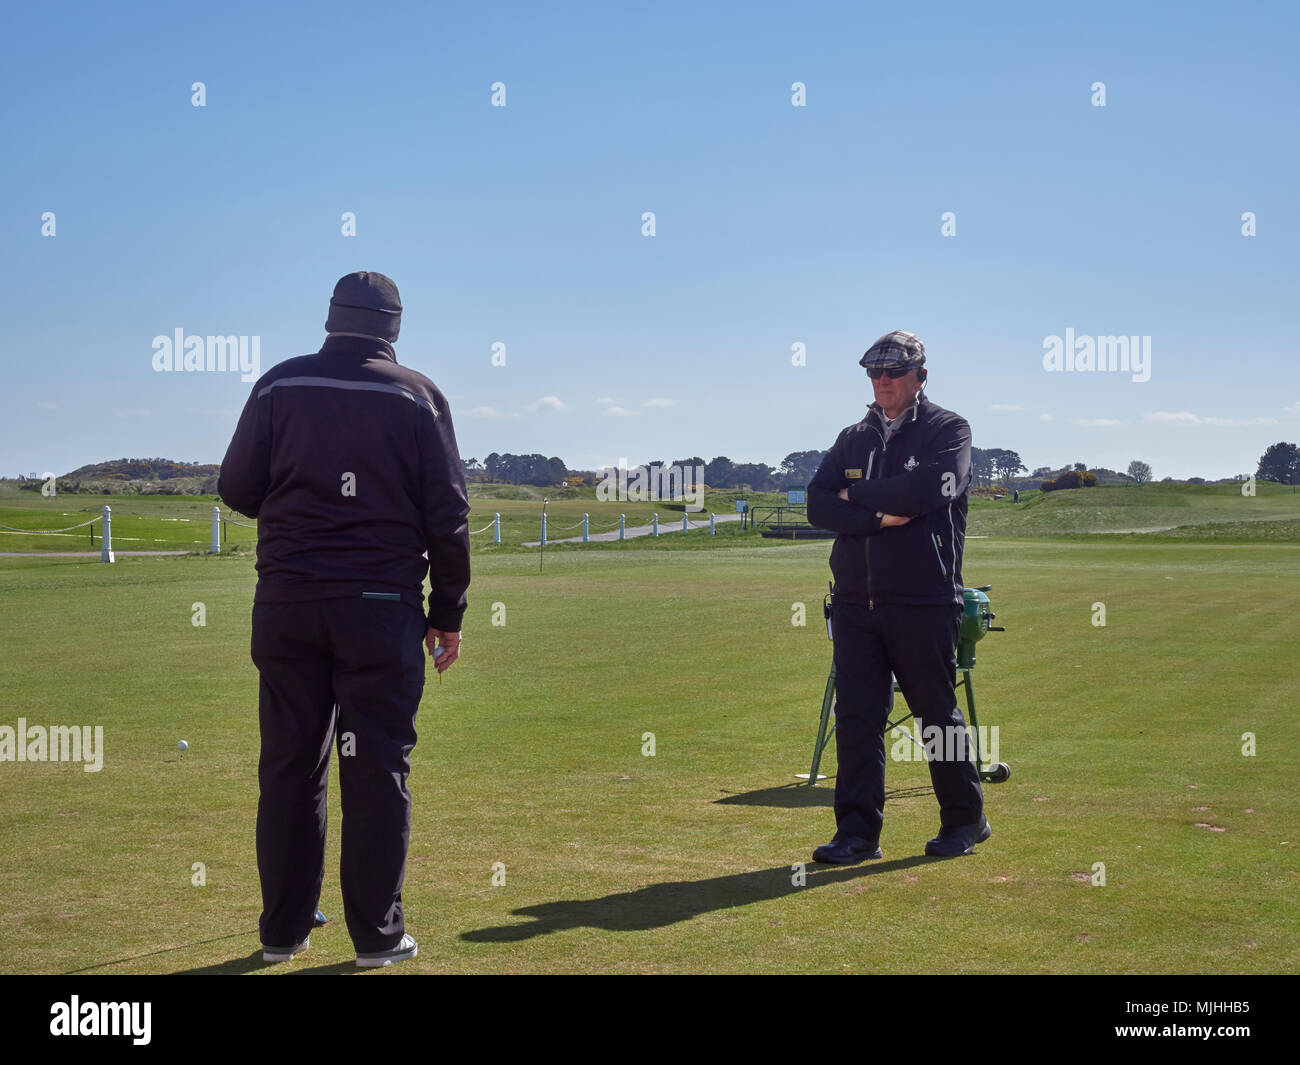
993 774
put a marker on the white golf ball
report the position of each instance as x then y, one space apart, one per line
182 746
439 652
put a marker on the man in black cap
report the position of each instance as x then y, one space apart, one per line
894 487
349 462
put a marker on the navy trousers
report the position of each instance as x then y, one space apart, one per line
354 667
918 644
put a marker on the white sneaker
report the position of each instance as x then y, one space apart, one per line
404 951
273 954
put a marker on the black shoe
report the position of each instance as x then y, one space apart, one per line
954 842
320 920
847 851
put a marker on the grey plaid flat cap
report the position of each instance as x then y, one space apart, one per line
895 349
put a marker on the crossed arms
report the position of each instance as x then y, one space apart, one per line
863 507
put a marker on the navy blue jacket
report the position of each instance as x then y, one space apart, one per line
924 473
349 462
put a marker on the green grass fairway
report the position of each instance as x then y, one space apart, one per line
1125 744
1164 510
184 523
1161 511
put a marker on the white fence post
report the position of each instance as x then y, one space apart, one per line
584 527
106 541
496 529
622 526
216 530
656 523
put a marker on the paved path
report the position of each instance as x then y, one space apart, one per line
671 525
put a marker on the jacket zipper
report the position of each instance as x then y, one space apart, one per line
871 460
870 603
884 445
934 539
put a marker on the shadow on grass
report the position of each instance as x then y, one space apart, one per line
167 950
233 967
339 968
798 796
663 904
237 966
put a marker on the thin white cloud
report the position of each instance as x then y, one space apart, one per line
1045 417
1005 406
547 403
620 412
1292 411
49 404
1186 417
606 399
486 412
1098 423
660 403
1240 421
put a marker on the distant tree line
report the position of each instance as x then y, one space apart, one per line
992 469
155 476
516 469
1070 479
795 471
1279 464
995 465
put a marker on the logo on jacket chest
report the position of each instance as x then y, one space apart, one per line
911 463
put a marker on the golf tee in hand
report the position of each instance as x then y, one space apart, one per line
444 647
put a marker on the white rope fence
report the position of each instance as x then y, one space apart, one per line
621 524
494 525
38 532
106 541
220 522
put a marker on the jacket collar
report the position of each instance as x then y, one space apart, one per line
352 344
914 409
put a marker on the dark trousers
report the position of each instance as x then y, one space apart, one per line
918 644
355 665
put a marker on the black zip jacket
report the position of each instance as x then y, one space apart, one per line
923 473
349 462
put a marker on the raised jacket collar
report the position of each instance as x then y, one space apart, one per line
915 408
366 347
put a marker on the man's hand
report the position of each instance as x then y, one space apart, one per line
450 642
886 520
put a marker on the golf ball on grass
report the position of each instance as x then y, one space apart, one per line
182 746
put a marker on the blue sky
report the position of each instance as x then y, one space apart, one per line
775 225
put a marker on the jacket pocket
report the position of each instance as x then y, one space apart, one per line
934 539
848 565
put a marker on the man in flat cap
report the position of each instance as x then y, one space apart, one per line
894 486
349 462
